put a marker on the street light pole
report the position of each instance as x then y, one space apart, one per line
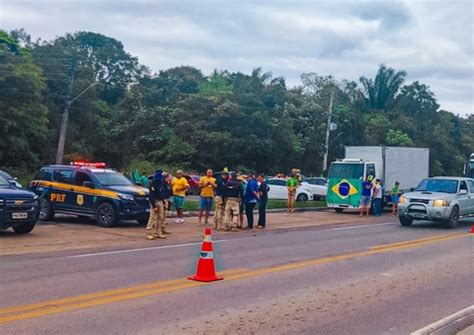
65 118
328 131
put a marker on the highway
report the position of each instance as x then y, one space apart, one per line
352 279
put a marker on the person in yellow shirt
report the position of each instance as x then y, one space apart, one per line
207 184
180 185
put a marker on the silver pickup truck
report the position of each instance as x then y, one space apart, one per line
443 199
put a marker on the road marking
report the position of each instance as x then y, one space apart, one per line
140 249
465 313
22 312
364 226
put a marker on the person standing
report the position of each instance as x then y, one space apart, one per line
365 196
180 186
262 204
166 199
251 198
395 197
233 195
207 184
220 200
158 190
291 185
378 195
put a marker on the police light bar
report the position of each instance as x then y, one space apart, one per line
87 164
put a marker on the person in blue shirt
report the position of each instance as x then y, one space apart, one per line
366 196
251 198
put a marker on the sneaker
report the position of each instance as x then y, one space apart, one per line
176 221
150 237
181 221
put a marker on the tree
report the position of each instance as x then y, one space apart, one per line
381 91
23 116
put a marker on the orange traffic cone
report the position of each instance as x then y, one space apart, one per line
206 270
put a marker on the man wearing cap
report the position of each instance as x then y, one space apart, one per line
220 200
233 194
158 191
365 196
180 185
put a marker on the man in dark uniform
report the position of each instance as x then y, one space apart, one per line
233 194
220 200
159 191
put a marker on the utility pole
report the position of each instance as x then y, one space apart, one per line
328 131
65 117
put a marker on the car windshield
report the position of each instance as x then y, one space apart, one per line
344 170
112 179
4 182
438 185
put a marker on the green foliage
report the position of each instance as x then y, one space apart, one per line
179 118
398 138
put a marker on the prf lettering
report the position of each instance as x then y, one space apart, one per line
58 197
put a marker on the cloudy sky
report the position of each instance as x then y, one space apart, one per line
431 40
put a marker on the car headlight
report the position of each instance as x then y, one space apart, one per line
124 196
440 203
403 200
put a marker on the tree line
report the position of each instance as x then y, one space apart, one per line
130 117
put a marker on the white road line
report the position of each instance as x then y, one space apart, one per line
139 249
444 321
364 226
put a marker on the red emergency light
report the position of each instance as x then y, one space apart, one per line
87 164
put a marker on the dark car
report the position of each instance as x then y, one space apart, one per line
90 191
10 178
19 209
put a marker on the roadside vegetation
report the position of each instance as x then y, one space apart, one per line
131 117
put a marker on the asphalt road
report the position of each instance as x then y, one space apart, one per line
359 279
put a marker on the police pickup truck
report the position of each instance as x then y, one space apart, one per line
89 190
18 208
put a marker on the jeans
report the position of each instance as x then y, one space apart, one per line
262 212
249 212
377 206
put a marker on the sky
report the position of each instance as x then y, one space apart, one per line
432 40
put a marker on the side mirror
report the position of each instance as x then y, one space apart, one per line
463 192
88 184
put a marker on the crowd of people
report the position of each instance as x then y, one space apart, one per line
234 196
372 197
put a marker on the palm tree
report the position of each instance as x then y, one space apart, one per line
380 92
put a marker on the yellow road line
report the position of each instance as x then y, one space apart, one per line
22 312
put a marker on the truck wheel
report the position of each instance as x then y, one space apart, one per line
46 211
106 216
302 197
453 218
339 210
404 221
25 228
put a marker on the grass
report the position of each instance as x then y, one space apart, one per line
191 205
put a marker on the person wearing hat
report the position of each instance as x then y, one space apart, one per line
159 190
395 197
220 200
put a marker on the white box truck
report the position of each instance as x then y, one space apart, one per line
408 166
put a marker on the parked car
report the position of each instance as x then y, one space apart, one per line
193 182
278 190
19 209
442 199
89 190
317 185
10 179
